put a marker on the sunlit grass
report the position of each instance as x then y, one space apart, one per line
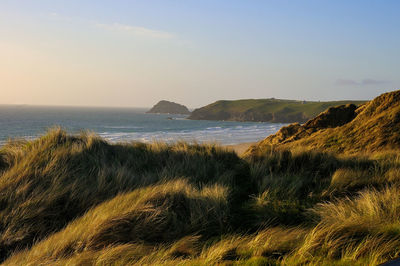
78 200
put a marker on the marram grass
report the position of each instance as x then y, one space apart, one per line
79 200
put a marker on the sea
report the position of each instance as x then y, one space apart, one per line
125 125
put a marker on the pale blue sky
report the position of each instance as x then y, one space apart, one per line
134 53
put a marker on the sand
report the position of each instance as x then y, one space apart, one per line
240 148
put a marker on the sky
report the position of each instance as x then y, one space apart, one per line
135 53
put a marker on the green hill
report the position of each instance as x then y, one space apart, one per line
264 110
166 107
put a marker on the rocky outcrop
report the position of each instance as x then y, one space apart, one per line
166 107
333 117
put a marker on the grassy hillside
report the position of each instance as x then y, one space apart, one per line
47 183
264 110
78 200
166 107
372 127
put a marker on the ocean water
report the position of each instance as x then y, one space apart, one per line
126 124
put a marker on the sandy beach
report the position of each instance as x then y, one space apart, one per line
241 147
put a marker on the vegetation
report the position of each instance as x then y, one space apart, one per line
166 107
264 110
79 200
375 126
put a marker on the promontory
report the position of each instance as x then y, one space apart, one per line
265 110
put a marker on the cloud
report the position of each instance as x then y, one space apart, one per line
60 17
364 82
116 27
346 82
135 30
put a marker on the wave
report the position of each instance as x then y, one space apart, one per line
226 136
123 127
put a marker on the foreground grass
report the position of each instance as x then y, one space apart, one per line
78 200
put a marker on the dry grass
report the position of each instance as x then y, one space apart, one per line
51 181
376 128
78 200
147 217
366 228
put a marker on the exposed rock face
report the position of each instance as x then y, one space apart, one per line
166 107
372 127
333 117
285 134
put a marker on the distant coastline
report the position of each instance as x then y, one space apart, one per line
265 110
126 125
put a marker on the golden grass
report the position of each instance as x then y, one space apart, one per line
148 216
78 200
364 228
376 128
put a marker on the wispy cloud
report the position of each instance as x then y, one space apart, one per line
116 27
136 30
346 82
364 82
59 17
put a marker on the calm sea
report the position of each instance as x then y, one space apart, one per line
126 124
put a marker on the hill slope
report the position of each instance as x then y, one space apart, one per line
374 126
166 107
264 110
